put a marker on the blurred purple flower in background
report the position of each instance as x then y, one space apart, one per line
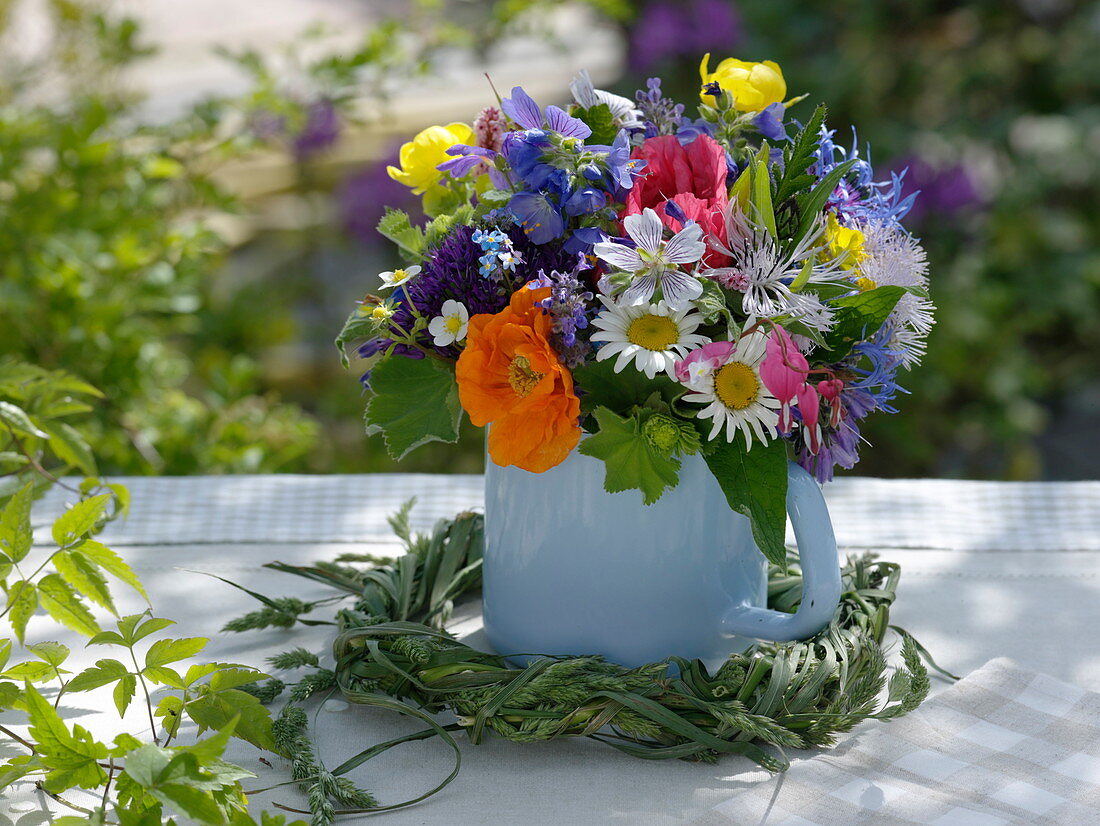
667 29
364 196
321 130
944 190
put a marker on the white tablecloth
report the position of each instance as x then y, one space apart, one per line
989 570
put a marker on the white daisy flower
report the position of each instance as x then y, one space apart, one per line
735 397
450 325
655 260
895 258
395 278
653 336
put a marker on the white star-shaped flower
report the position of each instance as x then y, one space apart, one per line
655 261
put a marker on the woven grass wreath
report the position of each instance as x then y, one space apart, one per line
393 651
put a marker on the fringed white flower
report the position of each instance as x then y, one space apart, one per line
765 273
895 258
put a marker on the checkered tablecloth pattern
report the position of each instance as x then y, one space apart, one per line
867 513
1004 746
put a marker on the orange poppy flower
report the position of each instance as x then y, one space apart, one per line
509 375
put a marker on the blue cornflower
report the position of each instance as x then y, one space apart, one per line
859 196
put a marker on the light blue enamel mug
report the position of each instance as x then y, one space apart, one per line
570 569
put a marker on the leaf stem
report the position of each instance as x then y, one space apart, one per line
148 700
23 742
38 785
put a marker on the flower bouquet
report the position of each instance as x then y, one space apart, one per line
622 279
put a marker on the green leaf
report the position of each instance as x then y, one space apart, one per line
107 638
17 419
122 497
163 652
177 779
415 401
395 226
16 534
62 603
113 564
170 710
495 197
359 326
712 303
72 757
755 484
600 121
76 570
632 462
622 391
80 519
30 671
131 629
53 653
441 225
215 709
70 446
164 675
124 693
226 678
856 317
762 196
810 204
22 603
102 673
798 157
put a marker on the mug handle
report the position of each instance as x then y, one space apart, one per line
813 531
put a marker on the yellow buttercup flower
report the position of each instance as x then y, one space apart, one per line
420 156
754 86
845 243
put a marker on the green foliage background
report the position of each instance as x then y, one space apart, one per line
214 359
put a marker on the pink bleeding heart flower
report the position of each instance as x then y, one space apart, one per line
809 406
830 390
784 371
702 361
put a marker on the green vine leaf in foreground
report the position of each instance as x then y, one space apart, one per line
632 460
70 758
755 484
415 401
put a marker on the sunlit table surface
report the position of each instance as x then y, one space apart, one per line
988 570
